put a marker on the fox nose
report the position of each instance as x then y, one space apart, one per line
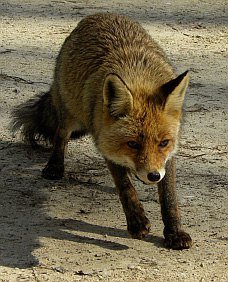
154 176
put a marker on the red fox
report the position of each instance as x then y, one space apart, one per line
114 82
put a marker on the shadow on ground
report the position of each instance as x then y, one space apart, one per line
23 220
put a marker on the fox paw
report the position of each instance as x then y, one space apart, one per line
53 171
178 241
138 226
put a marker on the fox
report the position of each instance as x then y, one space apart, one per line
114 82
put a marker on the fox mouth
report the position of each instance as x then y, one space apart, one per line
146 183
143 181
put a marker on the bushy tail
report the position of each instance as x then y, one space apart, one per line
37 117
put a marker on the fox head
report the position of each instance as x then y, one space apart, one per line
140 130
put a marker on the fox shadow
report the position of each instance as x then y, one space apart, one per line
22 216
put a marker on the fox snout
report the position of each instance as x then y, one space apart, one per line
150 177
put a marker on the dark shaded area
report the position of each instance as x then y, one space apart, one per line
188 13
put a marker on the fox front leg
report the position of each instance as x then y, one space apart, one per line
175 237
55 166
138 224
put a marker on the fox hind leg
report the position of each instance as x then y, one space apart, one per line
55 166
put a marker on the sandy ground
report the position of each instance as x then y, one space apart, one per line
75 229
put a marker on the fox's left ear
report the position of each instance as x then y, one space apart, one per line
174 92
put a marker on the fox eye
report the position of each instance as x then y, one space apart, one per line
163 144
133 145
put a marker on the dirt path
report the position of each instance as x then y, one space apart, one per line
75 229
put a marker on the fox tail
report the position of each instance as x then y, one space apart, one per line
37 118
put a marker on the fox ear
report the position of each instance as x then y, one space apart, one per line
117 97
174 92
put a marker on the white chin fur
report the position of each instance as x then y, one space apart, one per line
162 173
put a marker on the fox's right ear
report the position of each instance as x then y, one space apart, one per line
116 96
174 92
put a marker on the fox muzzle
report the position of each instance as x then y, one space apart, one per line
150 177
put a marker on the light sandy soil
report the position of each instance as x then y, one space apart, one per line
75 229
